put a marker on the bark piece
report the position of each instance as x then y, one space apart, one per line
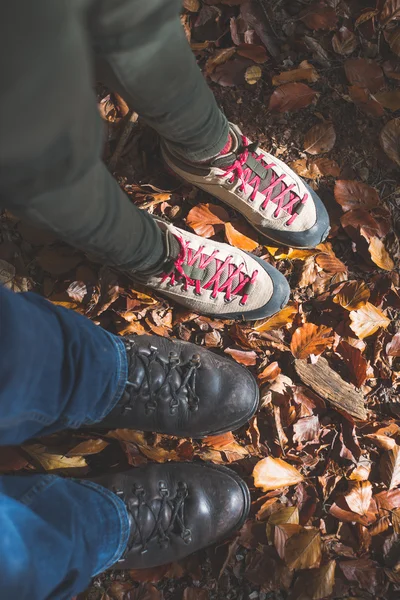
328 384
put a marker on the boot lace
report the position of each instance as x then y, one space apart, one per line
228 278
187 372
246 175
140 510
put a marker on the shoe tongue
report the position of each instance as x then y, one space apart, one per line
226 160
204 275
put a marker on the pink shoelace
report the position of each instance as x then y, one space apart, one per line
246 175
189 256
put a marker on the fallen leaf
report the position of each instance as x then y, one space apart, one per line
323 167
353 295
219 442
366 102
310 339
390 12
219 58
253 74
256 53
315 584
191 5
12 459
195 593
319 16
291 97
285 515
7 273
355 361
344 41
306 429
232 72
390 140
389 467
330 263
239 240
389 99
364 73
303 550
281 319
270 373
274 473
92 446
202 217
393 347
359 496
51 461
281 535
354 194
396 520
379 254
320 139
306 72
355 220
243 357
367 320
363 571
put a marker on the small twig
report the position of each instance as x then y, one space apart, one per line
131 119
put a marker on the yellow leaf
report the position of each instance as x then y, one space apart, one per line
379 254
274 473
310 339
353 295
252 74
281 319
367 319
238 239
51 461
359 497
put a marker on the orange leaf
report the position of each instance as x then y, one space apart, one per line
219 442
353 295
306 72
281 319
274 473
379 254
390 467
270 373
290 97
367 319
354 194
219 58
243 357
356 363
203 216
310 339
330 263
239 240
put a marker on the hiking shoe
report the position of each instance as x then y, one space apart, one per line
181 389
176 509
273 199
213 278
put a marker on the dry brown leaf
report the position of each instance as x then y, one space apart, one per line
390 140
393 347
7 273
270 373
389 467
389 99
353 295
239 240
323 167
319 15
219 58
303 550
306 429
390 12
320 139
396 520
364 73
354 194
344 41
367 320
291 97
330 263
254 52
243 357
281 535
355 361
281 319
366 102
308 273
306 72
310 339
286 515
315 584
88 447
193 593
274 473
191 5
359 496
51 461
379 254
203 216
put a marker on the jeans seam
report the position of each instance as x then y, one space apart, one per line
205 154
123 519
37 489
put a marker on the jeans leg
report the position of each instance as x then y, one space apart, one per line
51 137
143 54
57 369
56 534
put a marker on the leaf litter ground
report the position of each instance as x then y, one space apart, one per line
317 83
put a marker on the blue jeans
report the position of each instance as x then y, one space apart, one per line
57 370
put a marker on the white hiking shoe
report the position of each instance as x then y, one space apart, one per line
273 199
216 279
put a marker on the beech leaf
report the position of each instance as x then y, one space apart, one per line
320 139
354 194
291 97
202 217
319 16
364 73
379 254
390 140
315 584
390 467
367 320
286 515
353 295
274 473
310 339
344 41
238 239
303 550
281 319
359 496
